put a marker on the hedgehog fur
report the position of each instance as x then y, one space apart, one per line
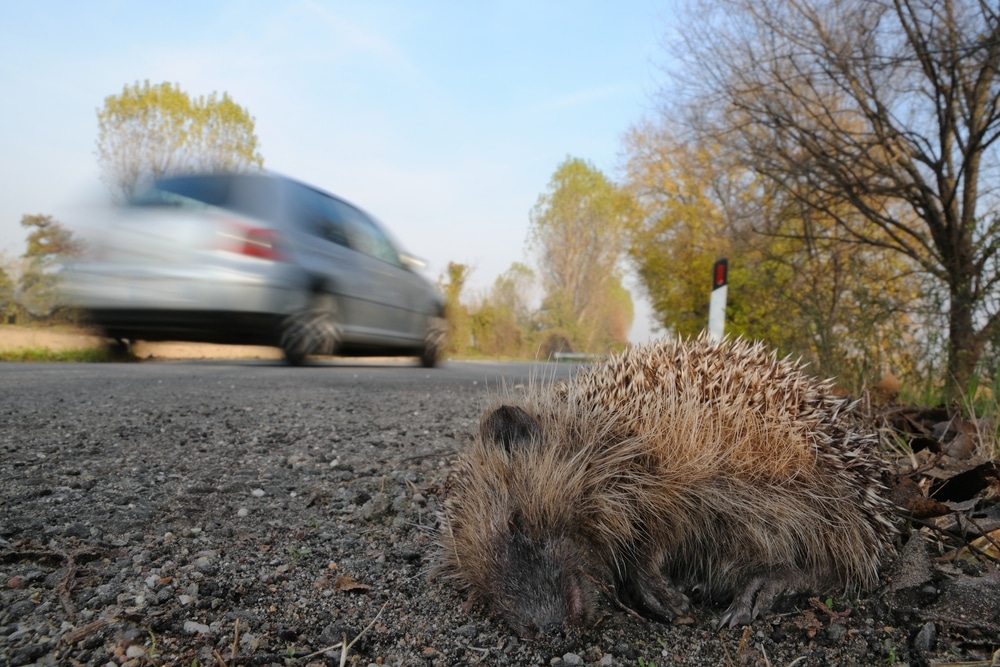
674 468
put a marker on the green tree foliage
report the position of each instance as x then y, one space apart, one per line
452 285
792 282
613 315
49 243
578 233
512 293
49 239
503 324
883 116
8 305
682 227
149 131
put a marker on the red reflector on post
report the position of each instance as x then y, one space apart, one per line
719 271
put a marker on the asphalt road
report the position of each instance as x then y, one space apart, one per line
251 513
48 382
73 392
147 508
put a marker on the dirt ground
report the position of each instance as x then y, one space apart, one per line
17 337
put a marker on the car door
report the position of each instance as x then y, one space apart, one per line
324 252
392 297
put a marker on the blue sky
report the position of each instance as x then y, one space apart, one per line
445 120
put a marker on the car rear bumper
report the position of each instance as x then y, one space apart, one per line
194 304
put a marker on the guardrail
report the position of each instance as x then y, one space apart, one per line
577 356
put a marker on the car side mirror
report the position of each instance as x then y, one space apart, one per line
411 262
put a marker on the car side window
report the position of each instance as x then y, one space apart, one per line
364 236
321 218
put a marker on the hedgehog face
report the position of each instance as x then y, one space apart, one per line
540 586
541 589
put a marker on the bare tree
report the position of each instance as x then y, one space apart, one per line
882 115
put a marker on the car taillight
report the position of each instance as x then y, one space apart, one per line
259 242
262 243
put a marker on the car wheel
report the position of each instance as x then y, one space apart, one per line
434 341
314 330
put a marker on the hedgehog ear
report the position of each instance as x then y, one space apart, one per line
510 427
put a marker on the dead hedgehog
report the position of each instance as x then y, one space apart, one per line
678 467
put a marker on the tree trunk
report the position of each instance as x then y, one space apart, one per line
964 346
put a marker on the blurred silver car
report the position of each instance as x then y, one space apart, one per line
256 258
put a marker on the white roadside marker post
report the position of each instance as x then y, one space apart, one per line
717 304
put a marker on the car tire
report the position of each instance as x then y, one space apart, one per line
435 340
313 330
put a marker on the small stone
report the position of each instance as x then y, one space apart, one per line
606 660
836 631
21 608
135 651
572 659
297 460
376 508
468 630
193 627
410 555
205 563
77 530
242 512
26 655
257 493
924 641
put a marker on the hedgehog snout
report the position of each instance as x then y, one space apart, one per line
543 591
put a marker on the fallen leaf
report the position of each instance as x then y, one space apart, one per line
347 584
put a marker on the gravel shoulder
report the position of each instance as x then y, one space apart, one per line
247 513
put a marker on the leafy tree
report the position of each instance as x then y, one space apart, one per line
49 239
459 322
48 244
8 305
613 314
149 131
881 115
844 308
682 228
494 331
578 232
503 323
512 293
